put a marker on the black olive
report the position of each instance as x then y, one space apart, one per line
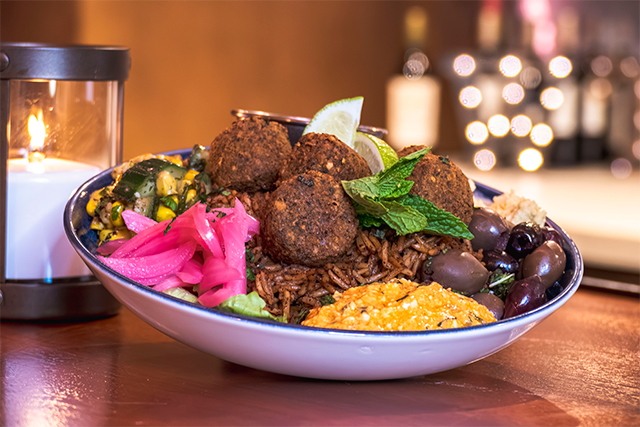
490 230
500 259
525 295
455 269
547 261
552 234
523 239
492 302
553 291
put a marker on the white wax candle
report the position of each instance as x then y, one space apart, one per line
37 247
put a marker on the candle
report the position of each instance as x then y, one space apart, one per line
37 191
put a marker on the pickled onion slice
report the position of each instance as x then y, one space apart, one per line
136 222
148 267
197 247
191 273
172 281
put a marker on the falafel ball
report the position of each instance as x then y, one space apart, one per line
440 181
325 153
308 220
249 155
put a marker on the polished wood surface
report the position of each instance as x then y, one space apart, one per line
578 367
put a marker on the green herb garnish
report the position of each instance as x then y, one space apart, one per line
384 199
500 283
166 230
170 203
326 300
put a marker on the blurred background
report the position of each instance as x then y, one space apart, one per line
541 96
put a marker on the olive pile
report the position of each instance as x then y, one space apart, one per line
522 265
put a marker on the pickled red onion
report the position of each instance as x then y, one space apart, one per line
171 253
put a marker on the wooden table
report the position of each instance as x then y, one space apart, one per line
579 367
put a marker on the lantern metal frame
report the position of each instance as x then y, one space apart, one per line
63 299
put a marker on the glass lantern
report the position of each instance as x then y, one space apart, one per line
61 114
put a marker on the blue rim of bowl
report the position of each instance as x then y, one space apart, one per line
85 190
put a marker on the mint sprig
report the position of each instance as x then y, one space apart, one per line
384 199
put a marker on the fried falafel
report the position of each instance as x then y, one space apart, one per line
308 220
327 154
440 181
249 155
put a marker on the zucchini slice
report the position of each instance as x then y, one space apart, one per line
139 181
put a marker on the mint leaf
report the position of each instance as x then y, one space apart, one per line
249 305
364 203
441 222
397 189
404 219
403 167
384 198
363 187
369 221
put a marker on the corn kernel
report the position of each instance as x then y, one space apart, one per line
177 159
166 185
164 213
94 199
191 173
191 194
107 235
96 224
116 214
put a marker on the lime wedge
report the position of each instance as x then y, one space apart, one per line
378 154
340 118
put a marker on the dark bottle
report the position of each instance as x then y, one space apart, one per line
414 96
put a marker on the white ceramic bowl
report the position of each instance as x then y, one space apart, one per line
304 351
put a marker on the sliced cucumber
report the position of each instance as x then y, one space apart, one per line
198 158
147 206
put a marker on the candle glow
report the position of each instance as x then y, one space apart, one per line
37 132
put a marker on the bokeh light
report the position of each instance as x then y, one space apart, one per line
477 132
601 66
464 65
621 168
530 159
499 125
636 149
470 97
416 64
630 67
541 135
484 160
636 119
530 77
600 88
560 67
521 125
551 98
510 66
513 93
636 89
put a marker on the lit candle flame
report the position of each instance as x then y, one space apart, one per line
36 128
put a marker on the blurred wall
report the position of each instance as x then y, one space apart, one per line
195 61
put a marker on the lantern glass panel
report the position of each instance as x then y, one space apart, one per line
80 120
